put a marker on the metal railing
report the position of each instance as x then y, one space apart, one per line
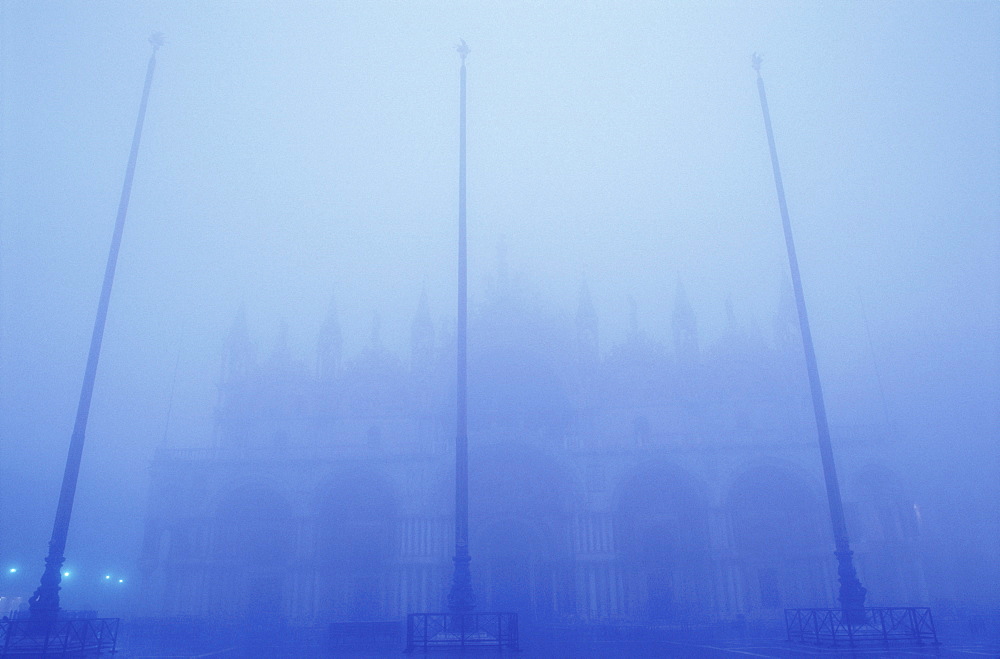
878 625
78 637
425 631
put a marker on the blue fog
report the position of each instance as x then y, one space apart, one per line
277 384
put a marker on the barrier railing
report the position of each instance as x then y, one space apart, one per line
78 637
425 631
877 625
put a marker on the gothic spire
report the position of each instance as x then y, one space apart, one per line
238 357
376 334
329 345
586 327
685 327
422 336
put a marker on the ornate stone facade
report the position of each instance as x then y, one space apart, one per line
654 482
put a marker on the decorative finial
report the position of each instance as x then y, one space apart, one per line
755 62
156 39
463 49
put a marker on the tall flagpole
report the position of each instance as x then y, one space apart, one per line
461 597
852 593
45 602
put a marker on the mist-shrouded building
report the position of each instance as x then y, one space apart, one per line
659 480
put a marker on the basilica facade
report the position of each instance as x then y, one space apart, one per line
657 481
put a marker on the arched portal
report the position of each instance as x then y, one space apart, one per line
355 547
253 547
519 532
661 532
782 553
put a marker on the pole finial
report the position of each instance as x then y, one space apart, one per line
463 49
755 61
156 39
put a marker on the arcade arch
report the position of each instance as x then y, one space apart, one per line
782 549
253 540
354 547
662 536
520 531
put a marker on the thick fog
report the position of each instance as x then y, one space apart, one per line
297 153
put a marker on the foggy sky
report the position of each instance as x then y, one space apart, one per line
298 151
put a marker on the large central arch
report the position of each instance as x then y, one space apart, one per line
355 546
661 533
520 538
778 528
253 547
